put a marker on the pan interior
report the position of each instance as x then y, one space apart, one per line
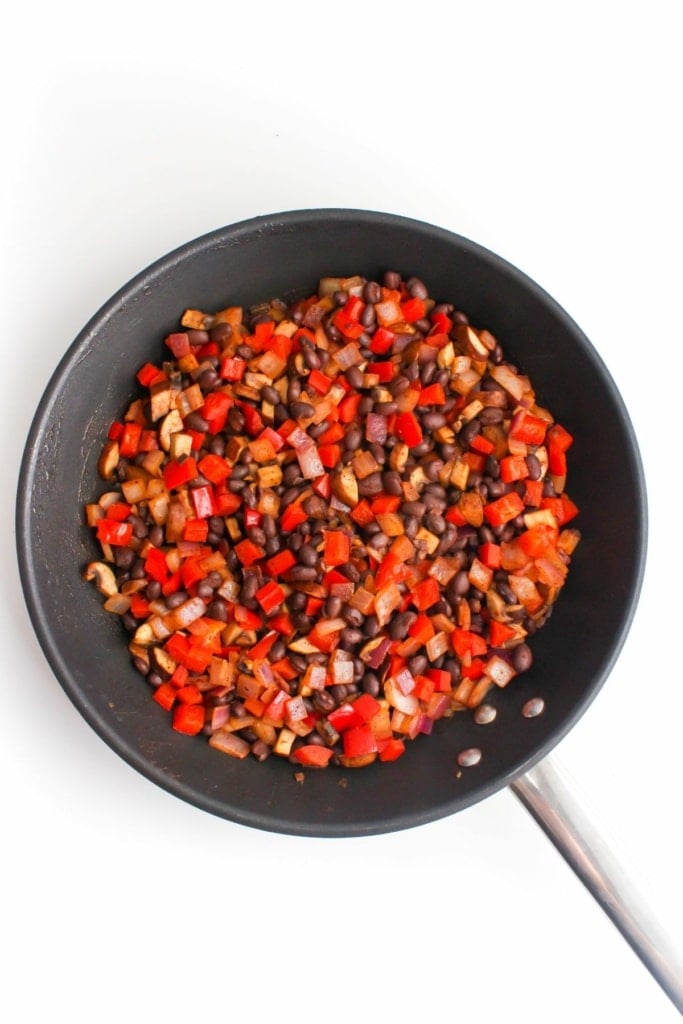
278 256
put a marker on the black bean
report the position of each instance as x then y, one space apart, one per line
522 658
372 291
353 437
352 616
302 573
350 637
297 601
433 420
418 664
308 555
371 485
385 408
400 624
371 684
196 422
250 585
391 481
368 317
175 600
311 357
392 280
413 508
534 466
416 288
301 410
208 379
435 523
270 394
490 414
371 627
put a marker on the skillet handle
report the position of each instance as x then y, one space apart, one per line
552 798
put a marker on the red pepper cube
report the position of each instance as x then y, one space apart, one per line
150 374
155 565
177 472
129 441
319 382
203 501
390 749
344 717
196 530
165 695
179 344
527 428
292 516
358 741
408 429
503 509
512 468
413 310
248 552
433 394
281 562
232 368
189 719
313 755
109 531
270 596
215 410
366 706
337 547
560 438
214 468
489 553
426 593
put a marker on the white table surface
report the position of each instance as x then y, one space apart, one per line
547 137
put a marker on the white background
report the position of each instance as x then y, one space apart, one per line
547 134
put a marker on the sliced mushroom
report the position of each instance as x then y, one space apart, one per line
103 578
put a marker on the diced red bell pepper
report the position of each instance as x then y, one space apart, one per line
465 642
413 310
270 596
433 394
527 428
196 530
320 382
322 485
330 454
149 375
119 511
214 468
489 553
560 438
245 617
248 552
557 460
421 629
253 424
215 410
177 472
281 562
358 741
390 749
232 368
426 593
513 467
313 755
384 371
179 344
292 516
164 695
337 549
110 531
348 407
382 341
155 564
348 326
129 441
442 323
481 445
362 514
203 501
226 501
189 718
408 429
503 509
366 706
500 633
344 717
262 648
533 493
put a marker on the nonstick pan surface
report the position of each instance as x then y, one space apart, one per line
282 255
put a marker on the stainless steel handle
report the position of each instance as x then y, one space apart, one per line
552 797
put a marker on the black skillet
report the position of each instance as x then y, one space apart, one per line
281 255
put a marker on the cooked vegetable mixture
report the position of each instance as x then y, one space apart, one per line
332 524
